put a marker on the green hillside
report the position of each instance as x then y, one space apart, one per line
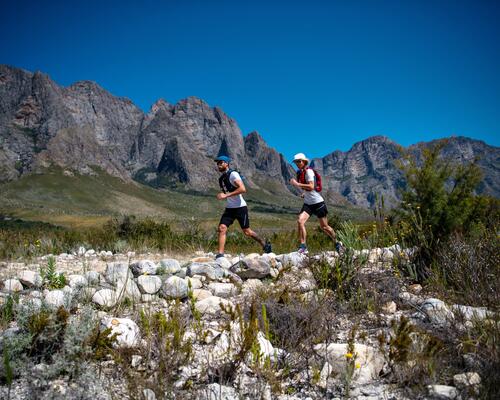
82 200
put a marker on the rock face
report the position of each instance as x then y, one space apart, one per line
368 168
83 126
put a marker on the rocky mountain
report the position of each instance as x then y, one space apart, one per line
83 126
368 169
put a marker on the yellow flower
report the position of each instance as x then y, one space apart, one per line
348 355
358 365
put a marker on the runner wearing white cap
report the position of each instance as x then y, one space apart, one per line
307 181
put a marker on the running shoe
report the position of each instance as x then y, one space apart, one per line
302 249
219 255
267 247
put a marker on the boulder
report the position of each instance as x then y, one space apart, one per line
174 287
224 290
55 298
128 290
93 277
170 266
143 267
442 392
463 381
149 284
212 305
30 279
105 298
251 268
211 271
437 312
117 271
77 281
127 331
368 360
295 259
12 286
201 294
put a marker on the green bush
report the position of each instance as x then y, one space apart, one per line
438 201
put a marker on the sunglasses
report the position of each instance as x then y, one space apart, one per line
220 162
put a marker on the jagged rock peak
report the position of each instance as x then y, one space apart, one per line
160 104
378 139
254 137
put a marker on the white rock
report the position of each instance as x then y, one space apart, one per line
175 287
295 259
437 312
149 283
136 360
128 333
201 294
30 279
212 305
462 381
325 373
12 286
128 290
442 392
170 265
81 251
211 271
76 281
55 298
93 277
389 308
148 394
144 267
369 360
224 290
105 298
194 282
472 313
90 253
223 262
117 271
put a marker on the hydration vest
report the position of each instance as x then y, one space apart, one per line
224 182
301 178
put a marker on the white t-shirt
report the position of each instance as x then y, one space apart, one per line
235 201
311 197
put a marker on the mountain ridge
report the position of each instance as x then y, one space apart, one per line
82 126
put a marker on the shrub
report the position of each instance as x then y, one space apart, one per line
50 278
467 270
439 200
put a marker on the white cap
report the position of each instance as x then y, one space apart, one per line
300 156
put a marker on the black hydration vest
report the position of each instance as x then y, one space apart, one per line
224 182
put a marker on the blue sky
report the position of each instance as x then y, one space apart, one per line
310 76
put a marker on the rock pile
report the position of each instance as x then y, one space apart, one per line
119 290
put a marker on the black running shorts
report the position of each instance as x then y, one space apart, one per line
318 209
240 213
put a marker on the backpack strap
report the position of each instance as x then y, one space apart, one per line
301 175
225 183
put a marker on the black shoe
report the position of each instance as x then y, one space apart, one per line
339 247
219 255
267 247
